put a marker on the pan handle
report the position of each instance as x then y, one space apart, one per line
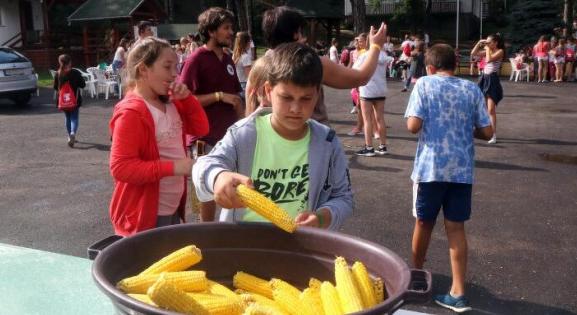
420 286
95 249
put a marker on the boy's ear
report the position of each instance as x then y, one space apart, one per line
430 69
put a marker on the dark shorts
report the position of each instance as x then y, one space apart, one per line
373 99
490 84
454 198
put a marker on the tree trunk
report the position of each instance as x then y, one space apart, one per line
568 17
359 14
428 9
242 15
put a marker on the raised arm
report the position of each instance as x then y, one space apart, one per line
341 77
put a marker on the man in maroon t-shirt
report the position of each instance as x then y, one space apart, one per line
210 75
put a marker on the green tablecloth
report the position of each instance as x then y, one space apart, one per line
38 282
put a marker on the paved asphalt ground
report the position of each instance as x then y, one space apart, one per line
522 236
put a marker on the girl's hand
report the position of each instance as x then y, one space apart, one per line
225 189
178 91
307 218
378 36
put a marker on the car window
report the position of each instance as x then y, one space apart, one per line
8 56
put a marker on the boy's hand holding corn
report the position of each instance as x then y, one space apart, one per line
225 189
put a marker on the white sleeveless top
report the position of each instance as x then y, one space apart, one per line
491 67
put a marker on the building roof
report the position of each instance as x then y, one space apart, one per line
175 31
93 10
320 9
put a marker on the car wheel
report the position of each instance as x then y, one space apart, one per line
22 99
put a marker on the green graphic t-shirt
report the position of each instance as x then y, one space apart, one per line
280 169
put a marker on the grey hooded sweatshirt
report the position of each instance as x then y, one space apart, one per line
329 180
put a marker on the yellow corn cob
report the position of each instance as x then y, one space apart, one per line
348 294
178 260
287 299
142 298
219 289
266 208
257 309
311 301
183 280
330 299
169 297
315 283
218 304
253 298
250 283
379 288
364 284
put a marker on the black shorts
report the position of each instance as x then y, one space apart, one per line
373 99
454 198
490 84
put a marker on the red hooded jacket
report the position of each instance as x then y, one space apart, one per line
135 162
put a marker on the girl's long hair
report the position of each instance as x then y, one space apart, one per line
241 45
64 62
145 52
255 90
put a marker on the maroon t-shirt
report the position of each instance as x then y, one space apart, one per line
204 73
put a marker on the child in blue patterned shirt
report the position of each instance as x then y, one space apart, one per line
448 112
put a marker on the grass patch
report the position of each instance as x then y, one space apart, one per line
45 79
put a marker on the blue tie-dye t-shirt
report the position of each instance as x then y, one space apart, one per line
450 109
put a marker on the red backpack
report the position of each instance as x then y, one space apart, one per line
66 98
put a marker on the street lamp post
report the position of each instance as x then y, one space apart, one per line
458 14
481 18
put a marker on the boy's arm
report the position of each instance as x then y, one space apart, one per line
414 124
340 204
207 168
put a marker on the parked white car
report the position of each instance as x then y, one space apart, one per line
17 76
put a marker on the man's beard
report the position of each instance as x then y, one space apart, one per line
222 44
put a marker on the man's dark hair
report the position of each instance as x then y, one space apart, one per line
143 25
211 19
280 24
441 56
295 63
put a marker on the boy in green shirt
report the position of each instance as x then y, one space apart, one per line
285 155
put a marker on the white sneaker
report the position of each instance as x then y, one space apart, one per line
493 140
354 110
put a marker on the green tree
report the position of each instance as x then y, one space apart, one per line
411 13
532 18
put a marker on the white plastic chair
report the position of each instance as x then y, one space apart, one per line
102 82
518 73
90 82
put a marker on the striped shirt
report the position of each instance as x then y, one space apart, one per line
493 66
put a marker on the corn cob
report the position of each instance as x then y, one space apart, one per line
315 283
250 283
178 260
218 304
287 299
142 298
364 284
349 295
219 289
266 208
281 284
253 298
330 299
258 309
379 288
183 280
169 297
311 301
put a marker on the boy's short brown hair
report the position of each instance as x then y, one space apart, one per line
211 19
441 56
295 63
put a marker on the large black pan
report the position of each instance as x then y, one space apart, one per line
262 250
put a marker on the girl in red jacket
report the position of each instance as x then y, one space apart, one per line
148 158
